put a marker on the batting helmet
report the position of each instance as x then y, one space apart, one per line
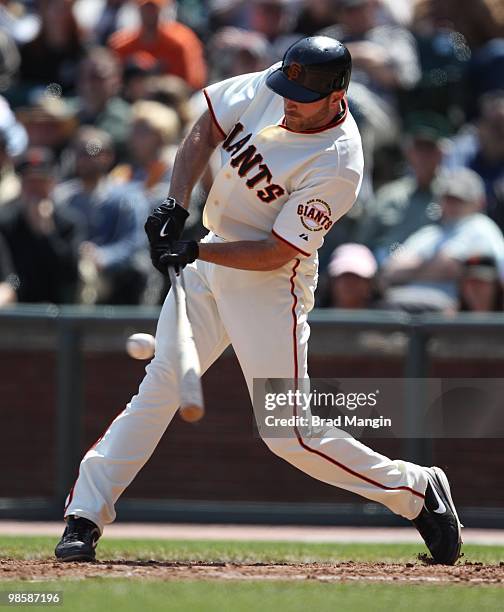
312 68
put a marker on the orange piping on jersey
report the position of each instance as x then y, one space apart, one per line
296 376
329 126
212 112
290 244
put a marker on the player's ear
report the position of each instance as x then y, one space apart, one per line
335 98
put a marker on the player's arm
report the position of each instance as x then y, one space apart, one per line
165 224
256 255
192 157
259 255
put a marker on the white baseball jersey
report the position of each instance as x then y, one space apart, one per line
297 185
273 179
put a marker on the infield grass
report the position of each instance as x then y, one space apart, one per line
104 595
240 552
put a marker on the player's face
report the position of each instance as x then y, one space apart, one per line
311 115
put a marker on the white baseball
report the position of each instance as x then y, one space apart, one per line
141 346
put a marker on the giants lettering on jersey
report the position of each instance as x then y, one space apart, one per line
248 160
315 215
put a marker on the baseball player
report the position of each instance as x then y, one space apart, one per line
291 166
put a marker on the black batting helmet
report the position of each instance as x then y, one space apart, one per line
312 68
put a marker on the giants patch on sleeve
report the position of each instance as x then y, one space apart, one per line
315 215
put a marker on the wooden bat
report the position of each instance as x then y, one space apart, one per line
192 407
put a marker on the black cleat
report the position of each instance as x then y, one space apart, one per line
78 541
438 522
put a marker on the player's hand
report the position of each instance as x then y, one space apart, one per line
163 227
166 223
181 254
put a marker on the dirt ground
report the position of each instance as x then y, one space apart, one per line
464 573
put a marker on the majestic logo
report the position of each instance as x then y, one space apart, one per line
294 71
315 215
248 162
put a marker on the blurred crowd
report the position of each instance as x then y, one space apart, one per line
95 96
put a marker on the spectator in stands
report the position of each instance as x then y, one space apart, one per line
10 186
444 56
478 20
42 239
49 122
485 74
9 60
108 218
275 20
480 288
234 51
404 206
396 13
384 57
352 271
53 56
481 148
173 92
108 17
152 141
17 138
481 24
384 62
173 45
315 15
17 21
8 279
138 70
422 274
98 102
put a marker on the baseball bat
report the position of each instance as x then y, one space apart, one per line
191 407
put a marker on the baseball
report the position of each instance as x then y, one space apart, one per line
141 346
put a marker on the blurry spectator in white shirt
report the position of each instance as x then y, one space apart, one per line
422 274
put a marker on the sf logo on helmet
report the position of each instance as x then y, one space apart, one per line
294 71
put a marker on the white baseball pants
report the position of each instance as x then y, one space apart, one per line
264 316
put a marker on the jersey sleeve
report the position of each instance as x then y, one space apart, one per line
227 100
311 211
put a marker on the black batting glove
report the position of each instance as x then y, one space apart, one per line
166 222
181 254
163 227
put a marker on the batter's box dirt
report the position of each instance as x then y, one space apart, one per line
464 573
